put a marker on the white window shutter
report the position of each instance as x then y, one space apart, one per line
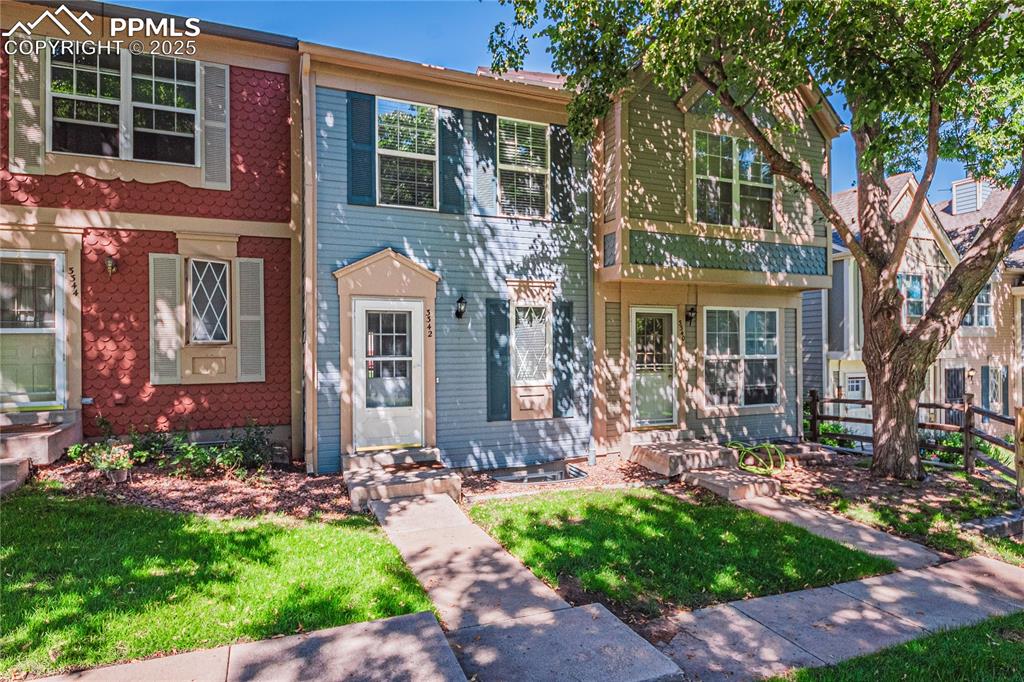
166 318
27 145
216 134
251 352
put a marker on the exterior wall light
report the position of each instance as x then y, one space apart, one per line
111 266
460 307
691 314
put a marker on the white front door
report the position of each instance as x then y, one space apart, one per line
388 356
652 346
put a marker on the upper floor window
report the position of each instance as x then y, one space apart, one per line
209 301
734 184
912 288
90 105
523 152
980 314
406 154
741 365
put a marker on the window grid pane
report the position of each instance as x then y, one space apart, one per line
523 144
209 284
741 357
86 95
163 109
522 194
531 345
406 181
27 294
408 128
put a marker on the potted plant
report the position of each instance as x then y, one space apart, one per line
115 461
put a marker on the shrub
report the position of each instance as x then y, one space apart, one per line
253 444
111 456
148 445
189 459
834 429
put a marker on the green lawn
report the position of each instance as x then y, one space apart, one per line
989 651
643 548
86 582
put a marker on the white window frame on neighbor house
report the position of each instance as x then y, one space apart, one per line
548 379
433 158
995 388
544 170
735 180
742 357
971 321
190 291
126 106
901 278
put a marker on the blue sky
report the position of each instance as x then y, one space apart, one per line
445 33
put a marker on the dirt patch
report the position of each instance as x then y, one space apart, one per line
608 471
275 491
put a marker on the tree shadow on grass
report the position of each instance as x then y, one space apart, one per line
647 550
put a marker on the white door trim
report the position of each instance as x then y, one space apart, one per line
60 341
673 351
367 416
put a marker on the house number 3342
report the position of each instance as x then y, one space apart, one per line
430 323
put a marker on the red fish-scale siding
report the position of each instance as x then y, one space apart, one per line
115 342
260 173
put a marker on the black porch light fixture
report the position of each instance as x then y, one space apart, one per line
691 314
460 307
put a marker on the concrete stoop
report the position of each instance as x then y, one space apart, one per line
13 473
675 458
1010 524
378 483
733 484
806 454
396 457
42 443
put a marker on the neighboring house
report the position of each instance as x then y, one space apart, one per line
983 357
150 254
450 303
703 258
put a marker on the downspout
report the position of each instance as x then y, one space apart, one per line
592 450
309 388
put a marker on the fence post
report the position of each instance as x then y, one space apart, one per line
1018 444
968 431
814 416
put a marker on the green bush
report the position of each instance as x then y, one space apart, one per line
827 429
956 440
189 459
253 444
148 445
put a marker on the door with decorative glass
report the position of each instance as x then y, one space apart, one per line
388 378
652 343
31 329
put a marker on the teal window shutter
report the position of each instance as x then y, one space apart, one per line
1006 391
499 363
564 358
485 164
562 176
452 167
986 399
362 152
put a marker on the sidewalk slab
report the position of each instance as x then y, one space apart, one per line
583 643
903 553
409 647
208 665
924 599
439 547
720 644
414 514
988 575
828 624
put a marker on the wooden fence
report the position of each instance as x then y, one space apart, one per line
960 418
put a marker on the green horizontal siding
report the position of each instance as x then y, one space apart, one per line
691 251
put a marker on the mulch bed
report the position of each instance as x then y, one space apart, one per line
607 472
288 491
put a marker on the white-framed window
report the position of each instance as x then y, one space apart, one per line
524 150
980 314
733 183
530 345
94 97
406 154
995 389
741 363
855 386
912 288
209 297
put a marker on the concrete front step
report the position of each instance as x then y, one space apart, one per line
806 454
379 484
1005 525
37 418
41 443
397 457
672 459
13 473
733 484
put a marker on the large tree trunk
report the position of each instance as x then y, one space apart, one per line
896 387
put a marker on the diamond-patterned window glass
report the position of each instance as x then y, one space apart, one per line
208 288
531 359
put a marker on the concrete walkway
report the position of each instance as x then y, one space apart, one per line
409 647
903 553
822 626
503 622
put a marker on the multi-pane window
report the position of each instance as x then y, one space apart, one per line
741 365
406 154
531 345
86 102
912 288
523 169
734 184
163 109
980 314
208 301
388 359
